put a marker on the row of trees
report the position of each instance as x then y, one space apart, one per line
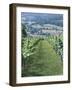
28 48
57 43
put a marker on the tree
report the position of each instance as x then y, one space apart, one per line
24 29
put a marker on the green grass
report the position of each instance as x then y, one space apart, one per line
44 62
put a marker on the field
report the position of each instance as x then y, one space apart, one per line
41 44
41 56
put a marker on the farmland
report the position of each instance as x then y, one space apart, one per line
41 44
40 58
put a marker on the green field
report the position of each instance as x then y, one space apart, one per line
40 59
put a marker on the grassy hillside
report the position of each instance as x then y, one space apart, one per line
45 61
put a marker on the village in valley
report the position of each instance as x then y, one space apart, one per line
44 30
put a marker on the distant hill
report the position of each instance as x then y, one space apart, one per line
42 18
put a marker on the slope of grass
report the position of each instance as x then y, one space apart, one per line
44 62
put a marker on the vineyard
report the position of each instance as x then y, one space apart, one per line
42 56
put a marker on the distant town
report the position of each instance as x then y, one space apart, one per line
43 30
